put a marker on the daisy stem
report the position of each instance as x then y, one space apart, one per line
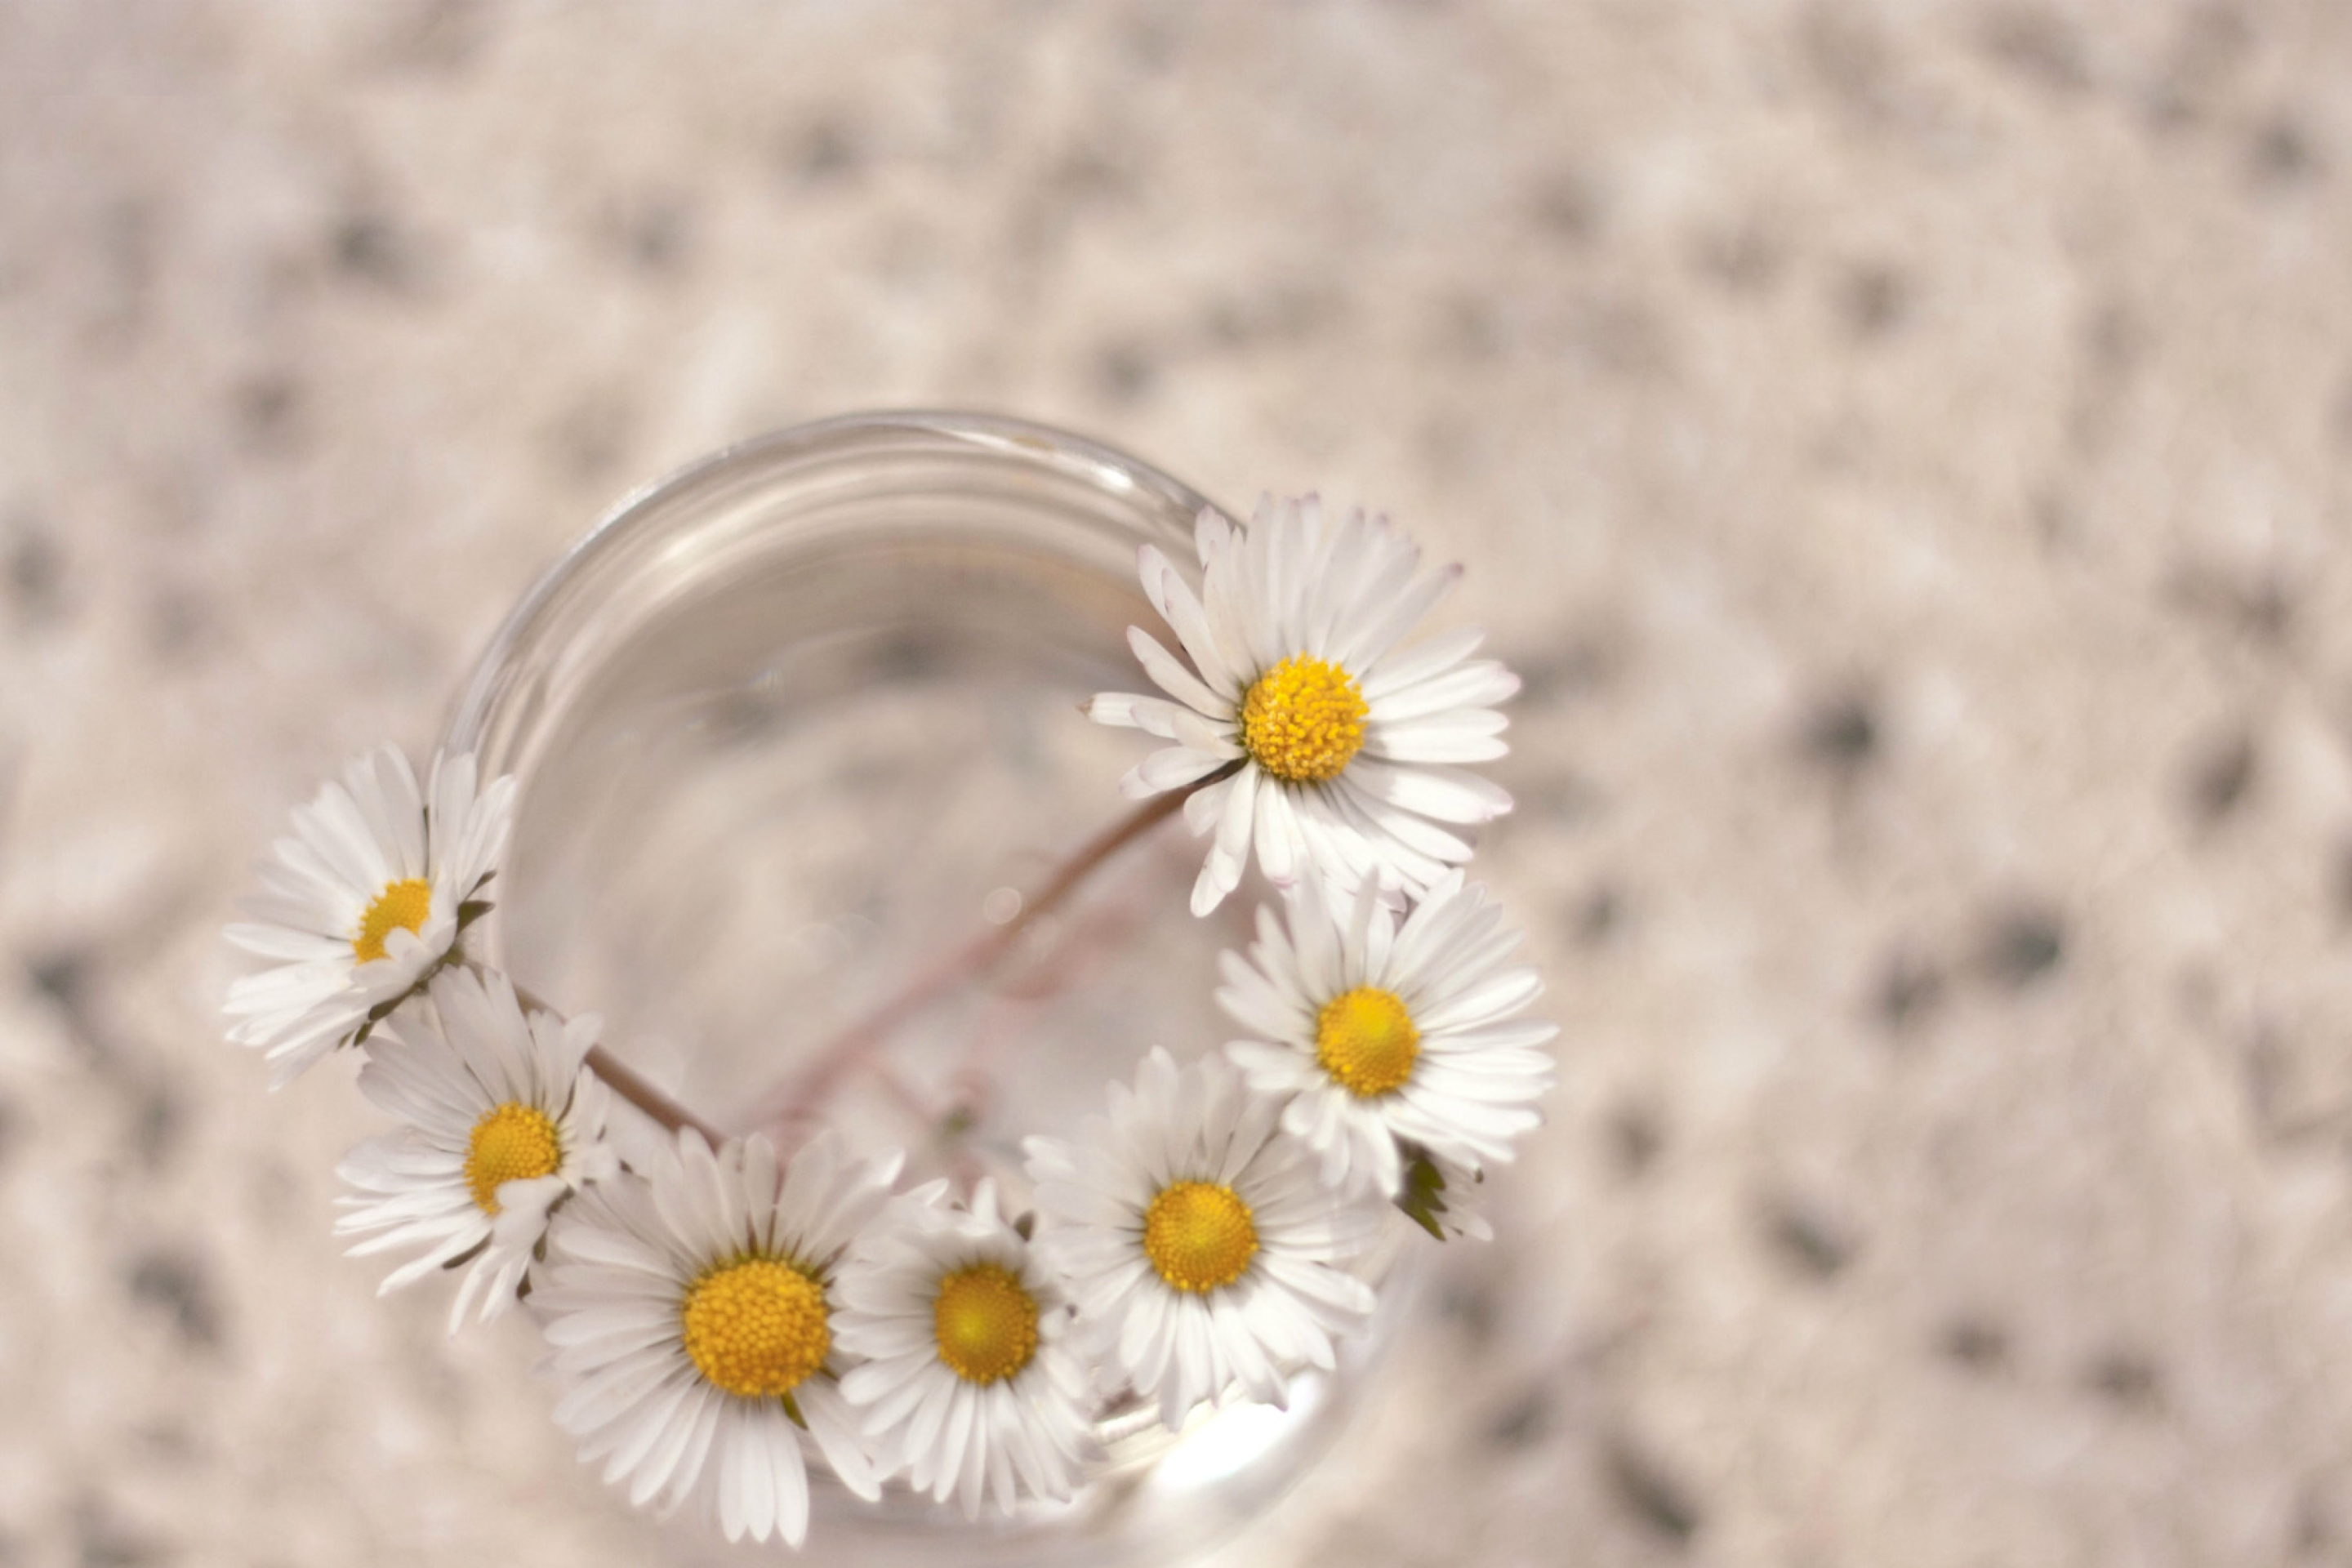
799 1099
630 1085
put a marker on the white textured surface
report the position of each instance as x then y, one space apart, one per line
1908 446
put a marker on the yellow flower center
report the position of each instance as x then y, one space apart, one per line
1366 1041
757 1327
511 1143
402 906
986 1324
1304 719
1199 1235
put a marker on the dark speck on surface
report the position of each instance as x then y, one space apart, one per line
2022 946
2221 777
177 1285
657 232
1524 1421
1743 258
60 976
1844 733
367 247
1598 916
1873 300
826 154
2281 154
177 627
2039 46
1909 988
1471 1307
2314 1524
36 570
1656 1500
268 409
158 1126
1850 57
1566 207
1636 1136
2344 885
1125 372
435 36
105 1543
2259 609
2124 1377
63 978
1806 1237
1975 1343
1472 329
2215 40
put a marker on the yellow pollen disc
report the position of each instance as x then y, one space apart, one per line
512 1143
986 1324
1366 1041
402 906
757 1328
1200 1235
1304 719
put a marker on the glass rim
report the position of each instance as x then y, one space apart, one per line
945 430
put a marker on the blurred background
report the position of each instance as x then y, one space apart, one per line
1905 446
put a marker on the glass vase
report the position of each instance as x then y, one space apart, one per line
794 723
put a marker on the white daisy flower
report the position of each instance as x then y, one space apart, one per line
970 1384
1343 751
503 1120
693 1318
1199 1248
1380 1035
363 900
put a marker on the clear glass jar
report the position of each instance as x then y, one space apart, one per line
792 724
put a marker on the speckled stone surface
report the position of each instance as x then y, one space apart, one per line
1908 446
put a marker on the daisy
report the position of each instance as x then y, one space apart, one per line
503 1120
1200 1249
367 896
970 1384
1340 751
693 1318
1381 1035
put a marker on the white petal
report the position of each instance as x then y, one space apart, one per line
1453 738
1471 688
1172 677
1447 794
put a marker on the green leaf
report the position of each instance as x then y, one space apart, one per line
1422 1198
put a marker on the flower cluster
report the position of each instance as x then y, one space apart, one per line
722 1313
